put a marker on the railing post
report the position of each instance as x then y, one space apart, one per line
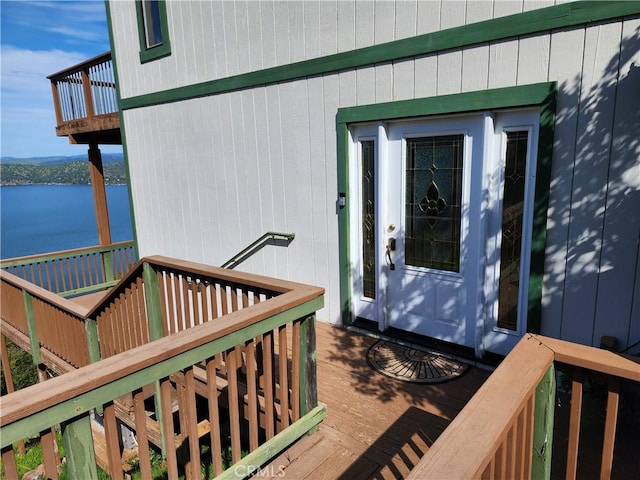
88 96
31 325
109 270
56 102
156 331
308 360
152 300
48 441
91 327
543 425
79 450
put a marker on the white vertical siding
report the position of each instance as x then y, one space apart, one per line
216 39
533 59
565 64
475 68
620 252
212 174
584 202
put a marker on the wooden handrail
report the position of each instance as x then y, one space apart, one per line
252 279
37 398
97 60
42 293
10 262
472 446
466 447
596 359
76 271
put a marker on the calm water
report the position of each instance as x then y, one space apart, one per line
46 218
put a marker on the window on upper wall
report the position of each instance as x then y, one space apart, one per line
153 29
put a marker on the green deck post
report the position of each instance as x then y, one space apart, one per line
31 325
154 317
543 426
78 448
152 298
107 263
93 345
308 358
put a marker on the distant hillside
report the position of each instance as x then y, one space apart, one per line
57 160
76 172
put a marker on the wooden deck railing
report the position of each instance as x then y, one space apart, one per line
506 429
85 90
242 381
74 272
45 320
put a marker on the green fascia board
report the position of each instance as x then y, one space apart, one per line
520 24
507 97
542 95
84 402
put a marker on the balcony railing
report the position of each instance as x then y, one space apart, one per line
85 100
74 272
232 353
506 429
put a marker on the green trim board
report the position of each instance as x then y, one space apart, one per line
520 24
162 49
542 95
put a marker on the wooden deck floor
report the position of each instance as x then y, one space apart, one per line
376 427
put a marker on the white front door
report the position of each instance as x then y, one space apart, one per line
433 267
426 208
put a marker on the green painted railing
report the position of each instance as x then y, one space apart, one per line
75 272
245 374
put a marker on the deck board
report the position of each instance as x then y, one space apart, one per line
376 427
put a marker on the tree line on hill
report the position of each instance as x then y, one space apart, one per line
70 173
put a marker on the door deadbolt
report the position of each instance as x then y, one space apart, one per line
391 247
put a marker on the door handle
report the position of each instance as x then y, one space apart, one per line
391 247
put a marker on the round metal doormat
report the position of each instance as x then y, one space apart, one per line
409 364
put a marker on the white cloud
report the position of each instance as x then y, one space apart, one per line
24 72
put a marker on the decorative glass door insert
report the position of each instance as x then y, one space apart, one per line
368 200
512 218
433 202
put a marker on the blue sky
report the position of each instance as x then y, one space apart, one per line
39 38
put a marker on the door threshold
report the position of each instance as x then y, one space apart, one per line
458 352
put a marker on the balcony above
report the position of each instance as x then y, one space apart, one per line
85 102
